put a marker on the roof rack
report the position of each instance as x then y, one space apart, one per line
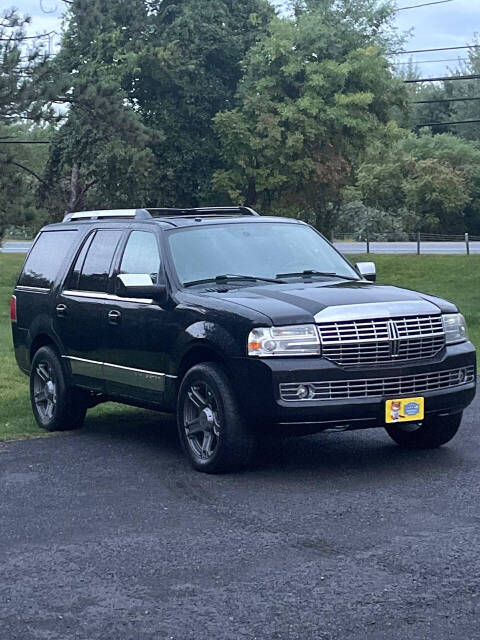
202 212
137 214
148 214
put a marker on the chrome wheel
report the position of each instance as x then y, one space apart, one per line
44 391
201 420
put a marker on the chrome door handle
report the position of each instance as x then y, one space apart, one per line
61 310
114 317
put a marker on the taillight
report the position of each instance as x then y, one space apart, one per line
13 309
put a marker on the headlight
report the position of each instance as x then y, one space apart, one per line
455 328
299 340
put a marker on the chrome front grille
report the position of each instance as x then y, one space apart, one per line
377 341
379 387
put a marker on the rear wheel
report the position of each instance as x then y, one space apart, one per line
432 433
56 406
213 433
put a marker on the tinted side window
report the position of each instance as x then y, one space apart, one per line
141 255
46 258
94 274
72 281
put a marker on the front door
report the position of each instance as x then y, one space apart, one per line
134 366
79 308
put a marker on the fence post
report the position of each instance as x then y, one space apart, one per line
418 243
368 243
467 243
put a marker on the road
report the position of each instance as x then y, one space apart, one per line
106 534
15 247
344 247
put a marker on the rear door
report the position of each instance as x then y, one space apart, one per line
34 290
79 317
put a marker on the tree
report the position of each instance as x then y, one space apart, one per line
100 155
143 80
187 72
21 69
435 178
316 89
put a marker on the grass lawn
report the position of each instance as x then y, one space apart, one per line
453 277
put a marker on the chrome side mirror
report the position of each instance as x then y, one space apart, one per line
140 286
367 270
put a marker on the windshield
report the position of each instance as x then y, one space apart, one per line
264 250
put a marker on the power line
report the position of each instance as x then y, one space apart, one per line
446 124
42 35
24 141
415 62
425 4
398 53
475 76
445 100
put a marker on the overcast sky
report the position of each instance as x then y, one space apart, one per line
443 25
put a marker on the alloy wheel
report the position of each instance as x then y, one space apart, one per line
201 420
45 391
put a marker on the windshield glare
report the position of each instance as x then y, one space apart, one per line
253 249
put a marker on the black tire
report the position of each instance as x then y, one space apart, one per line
433 433
232 443
56 405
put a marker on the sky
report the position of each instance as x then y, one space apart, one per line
443 25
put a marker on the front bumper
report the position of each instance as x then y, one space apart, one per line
257 385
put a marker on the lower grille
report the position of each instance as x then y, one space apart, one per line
378 387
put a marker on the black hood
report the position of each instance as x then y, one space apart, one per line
299 302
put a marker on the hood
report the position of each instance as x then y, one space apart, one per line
298 303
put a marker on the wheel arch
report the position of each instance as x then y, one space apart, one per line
41 340
198 353
45 339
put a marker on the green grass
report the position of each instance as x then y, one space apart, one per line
453 277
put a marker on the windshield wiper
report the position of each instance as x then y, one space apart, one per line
231 276
312 272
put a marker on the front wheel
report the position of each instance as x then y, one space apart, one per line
432 433
56 406
213 433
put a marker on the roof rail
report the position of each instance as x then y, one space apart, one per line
202 211
137 214
148 214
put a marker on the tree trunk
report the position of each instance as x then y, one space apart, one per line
251 198
76 190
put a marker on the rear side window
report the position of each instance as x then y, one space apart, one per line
96 267
46 258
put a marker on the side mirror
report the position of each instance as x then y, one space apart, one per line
367 270
140 287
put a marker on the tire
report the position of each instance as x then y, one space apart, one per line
433 433
218 439
56 405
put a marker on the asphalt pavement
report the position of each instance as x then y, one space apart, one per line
108 534
15 247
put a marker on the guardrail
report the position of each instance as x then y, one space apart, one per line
408 243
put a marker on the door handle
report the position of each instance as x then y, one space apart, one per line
61 310
114 317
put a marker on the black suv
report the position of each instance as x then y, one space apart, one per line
240 324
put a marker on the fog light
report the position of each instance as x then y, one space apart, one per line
270 345
304 391
462 376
